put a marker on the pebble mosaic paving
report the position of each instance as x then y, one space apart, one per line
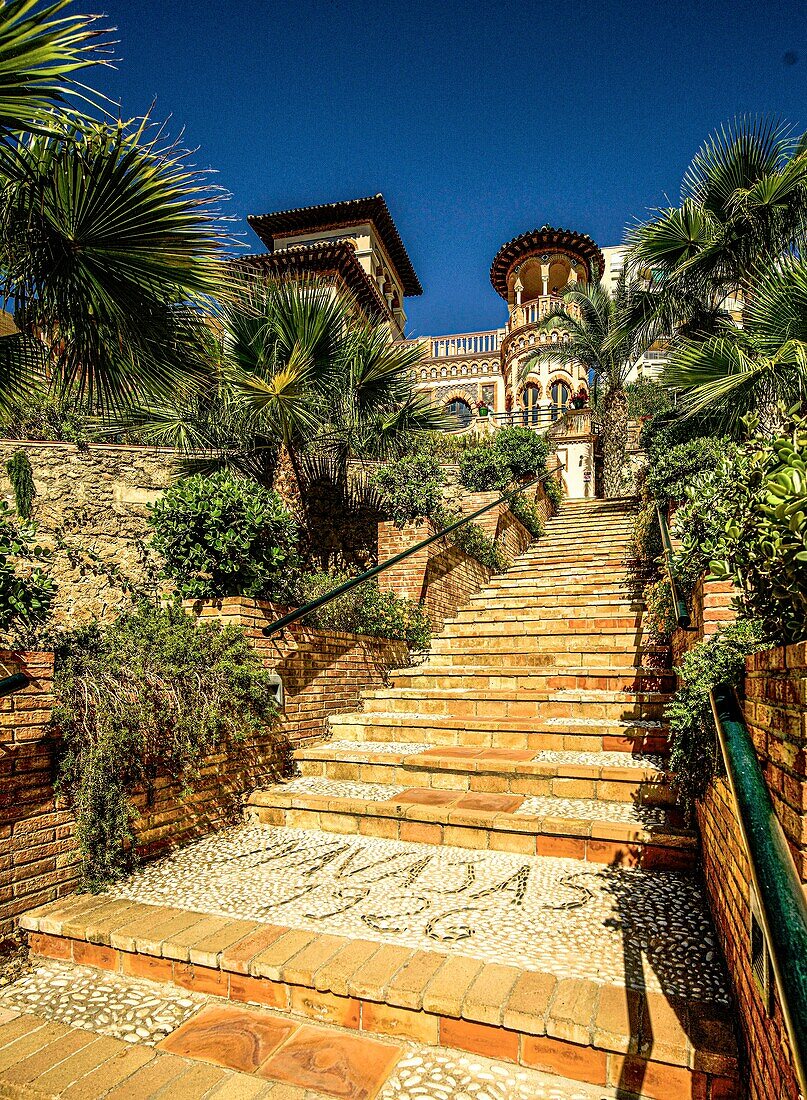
131 1009
588 809
644 929
361 749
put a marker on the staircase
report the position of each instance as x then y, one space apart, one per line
487 858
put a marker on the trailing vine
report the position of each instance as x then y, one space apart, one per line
153 691
21 476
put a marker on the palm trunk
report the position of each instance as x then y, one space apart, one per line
614 441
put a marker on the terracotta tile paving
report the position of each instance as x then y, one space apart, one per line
425 797
347 1066
495 803
227 1036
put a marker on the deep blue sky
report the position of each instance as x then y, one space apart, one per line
476 120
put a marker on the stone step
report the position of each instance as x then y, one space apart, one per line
647 736
528 611
536 961
503 705
518 679
609 777
554 597
617 833
478 652
618 633
67 1030
549 583
585 560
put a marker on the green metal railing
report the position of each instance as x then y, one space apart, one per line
781 896
307 609
681 611
12 683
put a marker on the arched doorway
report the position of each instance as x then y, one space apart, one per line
560 394
461 409
530 396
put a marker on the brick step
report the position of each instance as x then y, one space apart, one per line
529 611
467 703
41 1056
618 596
617 833
608 777
475 655
591 560
516 678
573 586
639 1042
593 736
622 633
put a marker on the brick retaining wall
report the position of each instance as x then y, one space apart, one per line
323 672
442 576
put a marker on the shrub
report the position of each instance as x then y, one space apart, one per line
647 397
660 616
153 690
510 454
225 536
553 491
760 542
47 417
21 476
26 589
411 488
647 535
483 469
719 659
525 511
673 472
365 609
524 451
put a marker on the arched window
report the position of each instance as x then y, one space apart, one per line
560 394
461 409
530 397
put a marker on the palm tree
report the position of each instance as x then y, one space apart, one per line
302 375
110 251
743 207
41 50
761 367
596 336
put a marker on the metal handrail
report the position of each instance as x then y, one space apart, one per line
682 615
12 683
782 904
307 609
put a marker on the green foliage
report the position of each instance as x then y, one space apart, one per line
553 491
525 511
152 691
473 540
762 543
225 536
21 477
719 659
43 416
365 609
673 472
483 469
660 617
26 590
411 488
510 454
647 535
647 397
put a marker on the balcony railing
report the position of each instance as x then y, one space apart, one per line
465 343
530 313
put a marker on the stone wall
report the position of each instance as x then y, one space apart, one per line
323 673
94 498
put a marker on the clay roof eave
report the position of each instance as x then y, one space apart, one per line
334 215
536 240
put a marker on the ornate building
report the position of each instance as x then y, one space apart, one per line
497 369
